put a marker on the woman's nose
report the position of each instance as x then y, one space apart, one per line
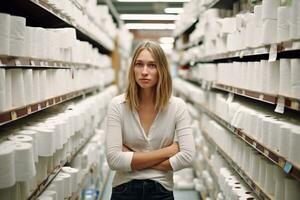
145 70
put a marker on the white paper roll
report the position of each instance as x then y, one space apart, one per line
32 134
294 150
28 85
18 91
43 85
262 171
67 184
269 9
250 26
291 189
8 90
50 193
45 197
285 77
279 183
283 24
255 167
294 20
2 89
7 167
258 15
4 34
17 36
42 169
284 141
59 185
274 136
74 177
295 78
36 86
273 77
10 193
46 141
25 168
269 31
269 179
263 70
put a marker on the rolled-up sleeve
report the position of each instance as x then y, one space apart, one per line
185 136
116 158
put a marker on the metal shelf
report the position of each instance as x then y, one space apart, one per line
36 63
287 166
39 14
21 112
254 186
291 103
224 4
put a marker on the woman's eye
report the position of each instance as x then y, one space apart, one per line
152 66
139 65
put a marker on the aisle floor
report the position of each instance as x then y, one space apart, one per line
178 194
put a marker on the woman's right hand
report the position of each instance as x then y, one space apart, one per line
174 149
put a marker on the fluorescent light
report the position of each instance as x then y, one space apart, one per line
166 40
148 17
149 26
173 10
183 1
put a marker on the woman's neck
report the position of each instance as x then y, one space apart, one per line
147 96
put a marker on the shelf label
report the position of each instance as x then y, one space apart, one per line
281 162
1 64
241 54
254 144
28 109
230 97
287 167
273 53
295 105
18 63
39 107
280 105
266 152
13 115
32 63
257 190
261 97
47 104
244 137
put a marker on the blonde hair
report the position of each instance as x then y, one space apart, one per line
164 85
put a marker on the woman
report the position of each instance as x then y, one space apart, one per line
141 126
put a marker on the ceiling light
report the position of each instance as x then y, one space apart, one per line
166 40
149 26
173 10
179 1
148 17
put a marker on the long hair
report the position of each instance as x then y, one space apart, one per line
163 89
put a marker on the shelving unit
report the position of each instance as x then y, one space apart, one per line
254 186
40 14
226 4
17 113
290 103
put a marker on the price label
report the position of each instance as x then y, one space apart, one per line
254 144
295 105
257 191
39 107
47 104
261 97
1 63
266 152
32 63
241 54
13 115
244 137
18 63
281 162
273 53
287 167
28 109
280 105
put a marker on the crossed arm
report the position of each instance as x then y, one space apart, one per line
157 159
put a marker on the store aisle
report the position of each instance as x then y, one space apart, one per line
178 194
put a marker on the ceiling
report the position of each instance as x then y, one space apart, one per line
144 8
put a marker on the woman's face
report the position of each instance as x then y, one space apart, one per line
145 70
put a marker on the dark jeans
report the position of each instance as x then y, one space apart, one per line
141 190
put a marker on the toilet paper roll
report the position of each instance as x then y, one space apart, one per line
45 141
67 184
24 162
263 70
269 179
250 26
255 167
295 77
283 24
273 77
285 77
9 193
24 189
2 88
274 136
18 91
8 89
42 166
279 183
262 172
28 41
258 15
36 86
291 189
32 134
74 177
294 20
50 193
5 32
294 146
43 85
284 141
269 31
59 185
269 9
17 36
7 159
266 130
25 138
45 197
28 85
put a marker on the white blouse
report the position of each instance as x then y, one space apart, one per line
124 127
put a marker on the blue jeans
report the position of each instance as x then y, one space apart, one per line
141 190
